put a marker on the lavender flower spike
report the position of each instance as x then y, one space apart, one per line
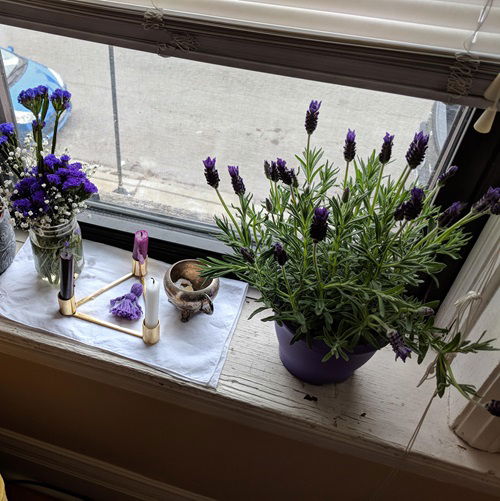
248 255
386 149
445 176
488 201
312 116
416 151
236 180
280 254
211 174
271 171
127 306
414 206
319 225
350 145
493 407
451 214
398 345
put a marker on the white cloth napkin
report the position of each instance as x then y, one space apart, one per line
194 351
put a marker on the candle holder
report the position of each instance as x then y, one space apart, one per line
69 307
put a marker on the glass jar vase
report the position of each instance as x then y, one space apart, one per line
47 243
7 240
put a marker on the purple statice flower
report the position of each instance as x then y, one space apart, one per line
398 345
495 209
248 255
312 116
60 99
236 180
350 145
319 224
211 174
3 139
65 159
29 197
38 124
54 179
271 171
416 151
7 129
89 187
51 161
451 214
493 407
445 176
280 254
488 200
32 99
386 149
128 306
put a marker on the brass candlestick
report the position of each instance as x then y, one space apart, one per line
68 307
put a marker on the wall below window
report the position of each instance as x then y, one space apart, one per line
199 453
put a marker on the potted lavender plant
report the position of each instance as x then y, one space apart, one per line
334 259
44 192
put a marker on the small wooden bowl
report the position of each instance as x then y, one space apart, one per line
188 291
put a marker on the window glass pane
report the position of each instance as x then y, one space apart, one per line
151 124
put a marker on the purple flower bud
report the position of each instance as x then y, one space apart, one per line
493 407
271 171
279 254
37 123
398 345
416 151
495 209
7 129
236 180
248 255
269 205
488 200
211 174
319 225
312 116
345 195
451 214
386 150
425 311
60 99
350 145
443 178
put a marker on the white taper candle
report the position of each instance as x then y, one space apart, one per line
152 300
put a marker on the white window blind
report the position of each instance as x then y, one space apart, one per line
435 25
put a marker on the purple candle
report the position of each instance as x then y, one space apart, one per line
67 278
141 241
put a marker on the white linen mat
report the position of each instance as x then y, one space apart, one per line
194 351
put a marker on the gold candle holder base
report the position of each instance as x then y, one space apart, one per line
139 269
68 307
150 336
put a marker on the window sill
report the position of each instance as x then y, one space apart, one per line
373 415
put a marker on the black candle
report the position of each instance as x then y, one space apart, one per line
67 280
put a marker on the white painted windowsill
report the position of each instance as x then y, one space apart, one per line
373 415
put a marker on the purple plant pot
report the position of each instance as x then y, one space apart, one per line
305 363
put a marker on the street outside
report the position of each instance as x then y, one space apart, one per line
173 113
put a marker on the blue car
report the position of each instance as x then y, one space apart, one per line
23 73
